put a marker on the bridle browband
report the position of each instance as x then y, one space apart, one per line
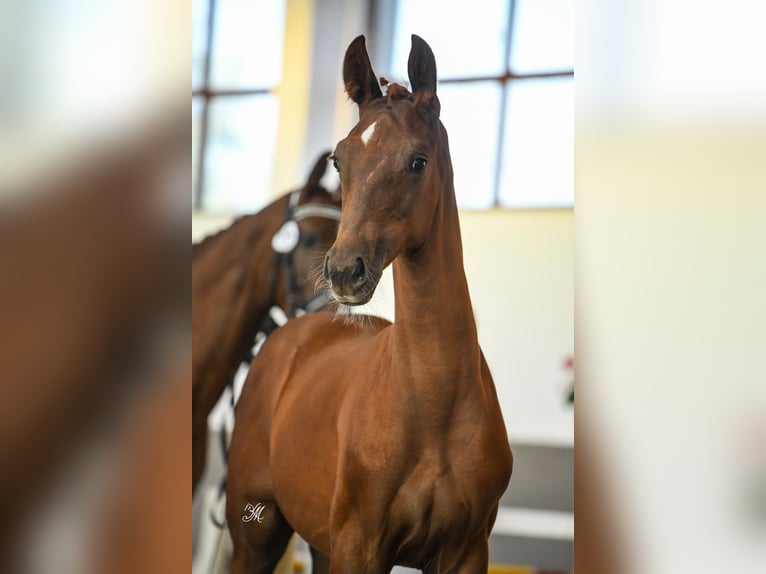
316 210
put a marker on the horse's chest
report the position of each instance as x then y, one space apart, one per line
433 498
428 511
421 495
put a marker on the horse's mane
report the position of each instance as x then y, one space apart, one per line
203 245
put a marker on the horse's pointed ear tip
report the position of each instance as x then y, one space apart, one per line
418 41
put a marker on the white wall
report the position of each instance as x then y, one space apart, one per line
520 269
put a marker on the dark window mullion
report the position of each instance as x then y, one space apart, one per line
206 97
210 94
508 76
503 105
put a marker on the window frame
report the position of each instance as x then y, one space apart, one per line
380 23
505 80
206 95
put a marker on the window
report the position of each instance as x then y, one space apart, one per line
506 72
236 71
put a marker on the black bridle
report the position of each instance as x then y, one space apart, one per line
283 261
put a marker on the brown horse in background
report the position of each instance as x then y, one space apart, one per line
379 443
237 276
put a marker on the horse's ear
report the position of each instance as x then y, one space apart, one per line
421 68
320 166
313 186
358 77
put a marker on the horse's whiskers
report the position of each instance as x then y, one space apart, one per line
346 314
317 276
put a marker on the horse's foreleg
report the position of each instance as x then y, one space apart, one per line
320 564
260 535
473 559
350 553
349 563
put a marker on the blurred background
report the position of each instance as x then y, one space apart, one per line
94 285
267 96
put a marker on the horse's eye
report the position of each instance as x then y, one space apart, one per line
335 164
418 164
309 240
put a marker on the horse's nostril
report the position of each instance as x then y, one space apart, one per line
360 271
326 267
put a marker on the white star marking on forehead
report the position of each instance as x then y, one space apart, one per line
367 134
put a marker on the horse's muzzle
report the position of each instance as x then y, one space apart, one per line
349 278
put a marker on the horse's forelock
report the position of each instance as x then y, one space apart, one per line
396 92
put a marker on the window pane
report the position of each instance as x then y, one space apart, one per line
196 120
199 40
470 113
247 43
467 38
240 153
543 36
538 153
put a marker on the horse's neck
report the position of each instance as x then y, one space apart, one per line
435 336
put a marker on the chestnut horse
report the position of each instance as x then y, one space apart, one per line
239 274
380 443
